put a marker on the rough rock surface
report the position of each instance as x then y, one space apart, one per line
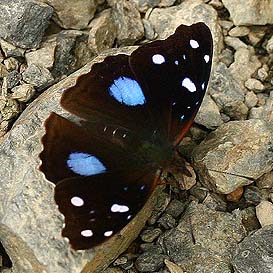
250 12
234 154
23 23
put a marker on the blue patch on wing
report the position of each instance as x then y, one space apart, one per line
127 91
84 164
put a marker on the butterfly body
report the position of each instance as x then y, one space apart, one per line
132 111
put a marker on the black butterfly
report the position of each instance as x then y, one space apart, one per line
132 112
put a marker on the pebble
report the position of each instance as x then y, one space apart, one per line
251 99
236 195
252 195
239 31
148 262
262 73
234 42
149 235
11 50
264 212
166 221
175 208
3 71
269 46
254 85
11 64
23 92
13 79
265 181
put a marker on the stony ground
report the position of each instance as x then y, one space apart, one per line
221 219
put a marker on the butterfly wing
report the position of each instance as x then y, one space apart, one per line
176 73
99 189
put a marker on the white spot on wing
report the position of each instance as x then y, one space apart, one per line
176 62
119 208
84 164
203 86
158 59
77 201
87 233
108 233
187 83
129 217
127 91
194 43
206 58
182 117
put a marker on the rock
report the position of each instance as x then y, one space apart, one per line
264 212
38 76
233 152
265 181
262 73
244 60
254 253
71 52
265 111
236 195
44 56
13 79
144 5
256 35
208 114
149 235
249 220
250 12
128 21
11 64
269 46
252 195
165 21
9 109
234 42
103 32
148 30
150 247
166 3
30 219
254 85
11 50
23 93
172 267
215 202
23 23
238 32
148 262
72 14
227 93
175 208
226 57
3 71
166 221
251 99
204 237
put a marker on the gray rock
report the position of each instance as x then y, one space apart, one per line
250 12
11 50
226 57
175 208
233 152
144 5
251 99
265 181
166 221
215 201
103 32
265 111
227 93
254 253
208 114
149 235
38 76
23 23
71 52
151 247
252 195
128 20
13 79
148 262
71 14
204 240
148 30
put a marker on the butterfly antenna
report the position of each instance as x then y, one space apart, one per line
238 175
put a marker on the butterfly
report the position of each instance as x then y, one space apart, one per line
128 116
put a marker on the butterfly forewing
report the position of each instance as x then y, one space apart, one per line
131 112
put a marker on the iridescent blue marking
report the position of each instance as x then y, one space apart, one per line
84 164
127 91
